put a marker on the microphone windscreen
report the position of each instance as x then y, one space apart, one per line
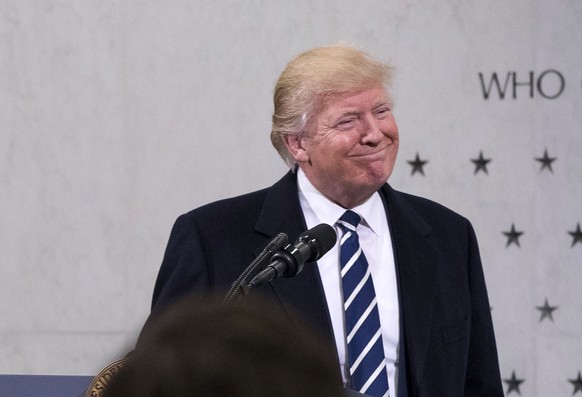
320 238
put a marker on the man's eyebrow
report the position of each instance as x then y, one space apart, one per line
381 103
346 113
350 113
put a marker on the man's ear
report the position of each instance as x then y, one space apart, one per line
295 147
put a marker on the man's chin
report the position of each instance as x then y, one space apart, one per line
377 176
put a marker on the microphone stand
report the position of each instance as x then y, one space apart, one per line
240 286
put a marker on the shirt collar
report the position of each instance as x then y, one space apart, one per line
371 211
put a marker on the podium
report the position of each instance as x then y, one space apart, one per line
43 385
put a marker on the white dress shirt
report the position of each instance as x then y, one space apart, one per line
374 236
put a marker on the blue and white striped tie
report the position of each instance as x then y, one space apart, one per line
364 338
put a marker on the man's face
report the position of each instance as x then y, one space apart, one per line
351 148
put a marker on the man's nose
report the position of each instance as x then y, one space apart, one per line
371 133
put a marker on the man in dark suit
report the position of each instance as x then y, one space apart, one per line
426 310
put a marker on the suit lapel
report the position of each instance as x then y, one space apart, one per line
303 293
415 259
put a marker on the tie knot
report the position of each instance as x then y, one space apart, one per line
350 220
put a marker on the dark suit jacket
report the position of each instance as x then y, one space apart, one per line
447 342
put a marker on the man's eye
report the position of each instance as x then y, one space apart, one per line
382 112
346 123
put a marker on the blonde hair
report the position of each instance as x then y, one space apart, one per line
313 79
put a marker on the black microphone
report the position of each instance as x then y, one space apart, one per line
309 247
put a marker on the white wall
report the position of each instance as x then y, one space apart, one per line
116 117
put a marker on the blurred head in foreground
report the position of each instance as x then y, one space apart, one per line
200 347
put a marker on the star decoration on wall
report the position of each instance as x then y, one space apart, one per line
481 163
546 311
513 383
576 235
546 161
512 236
577 383
417 165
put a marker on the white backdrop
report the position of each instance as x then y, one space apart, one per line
116 117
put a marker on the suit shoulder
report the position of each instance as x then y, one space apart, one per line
245 205
429 209
240 211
